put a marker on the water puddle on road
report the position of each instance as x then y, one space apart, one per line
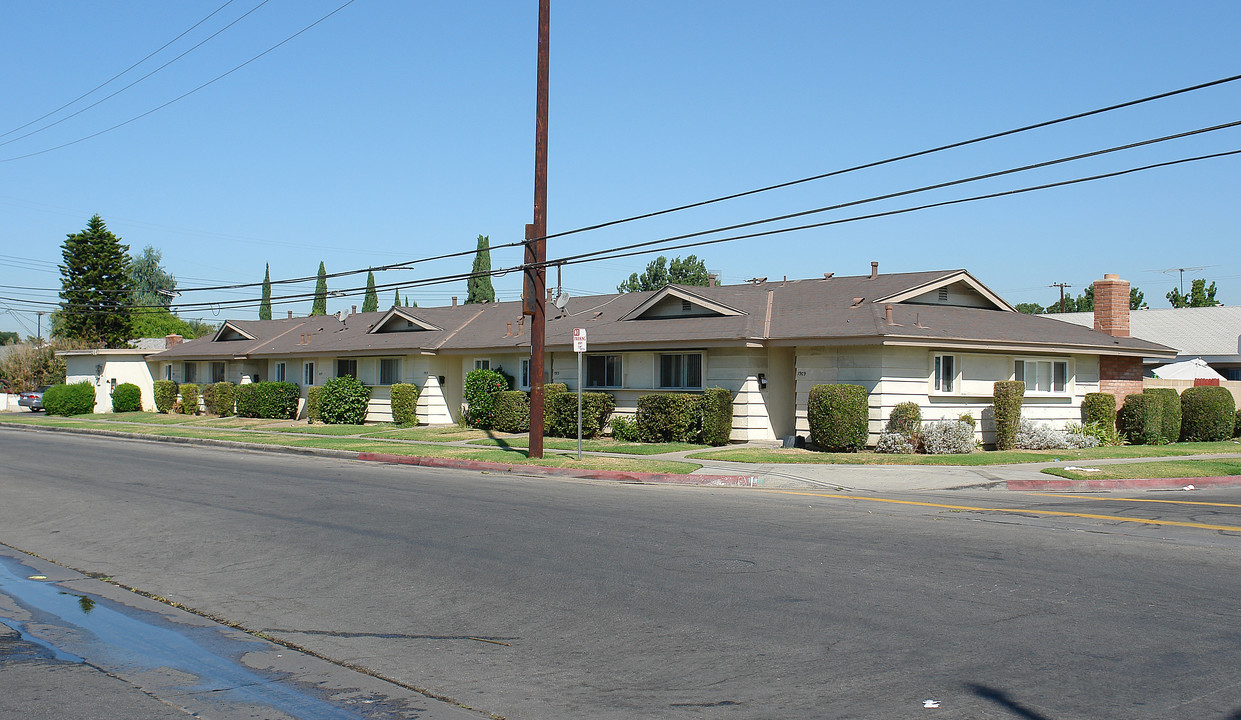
144 647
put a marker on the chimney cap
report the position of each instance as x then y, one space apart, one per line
1110 276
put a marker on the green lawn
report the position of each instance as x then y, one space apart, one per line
319 429
594 445
145 417
1008 457
1164 469
450 433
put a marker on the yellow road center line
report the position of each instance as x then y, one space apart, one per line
1022 511
1145 500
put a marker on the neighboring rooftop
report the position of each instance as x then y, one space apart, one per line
1207 332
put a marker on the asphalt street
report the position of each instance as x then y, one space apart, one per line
539 598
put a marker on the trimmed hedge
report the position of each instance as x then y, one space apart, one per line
716 405
561 412
1169 413
165 392
1099 408
480 389
669 417
1006 403
839 417
220 398
270 399
189 398
1139 419
343 401
127 397
1209 413
512 411
312 403
1236 430
405 404
75 399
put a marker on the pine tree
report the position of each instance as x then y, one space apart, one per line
265 306
396 299
371 301
320 305
95 287
478 287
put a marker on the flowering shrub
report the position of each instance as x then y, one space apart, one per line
894 443
1040 436
948 437
480 389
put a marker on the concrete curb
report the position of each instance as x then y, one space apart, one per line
433 462
1065 485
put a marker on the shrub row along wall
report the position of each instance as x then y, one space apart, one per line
268 399
1158 416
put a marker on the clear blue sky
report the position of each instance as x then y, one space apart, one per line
398 130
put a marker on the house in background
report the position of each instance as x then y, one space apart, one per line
1210 333
940 339
107 368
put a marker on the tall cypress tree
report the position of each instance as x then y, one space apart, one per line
396 299
478 287
371 302
265 306
95 287
320 305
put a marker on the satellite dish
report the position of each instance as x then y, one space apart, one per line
561 300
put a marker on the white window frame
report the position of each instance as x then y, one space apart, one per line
280 372
523 374
682 381
396 373
223 371
945 374
1022 370
347 360
167 371
308 373
618 371
482 363
189 372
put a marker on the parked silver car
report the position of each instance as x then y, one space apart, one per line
32 399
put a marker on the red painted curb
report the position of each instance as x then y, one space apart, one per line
640 477
1126 484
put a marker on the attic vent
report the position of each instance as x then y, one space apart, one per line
943 294
685 306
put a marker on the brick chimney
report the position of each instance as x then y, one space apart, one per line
1111 305
170 340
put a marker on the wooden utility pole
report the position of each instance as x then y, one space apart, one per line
534 296
1062 286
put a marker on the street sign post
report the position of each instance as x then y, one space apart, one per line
579 347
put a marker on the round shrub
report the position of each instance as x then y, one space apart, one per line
906 419
219 398
1100 409
624 428
1169 413
838 417
1208 413
127 397
1006 403
405 404
668 417
480 389
948 437
189 399
75 399
165 395
343 401
1138 419
561 412
511 411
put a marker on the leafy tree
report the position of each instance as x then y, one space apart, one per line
265 305
9 338
371 302
478 286
687 271
158 323
1135 299
1029 308
320 305
1200 295
153 285
95 287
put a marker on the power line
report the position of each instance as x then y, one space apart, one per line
109 80
907 156
187 94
